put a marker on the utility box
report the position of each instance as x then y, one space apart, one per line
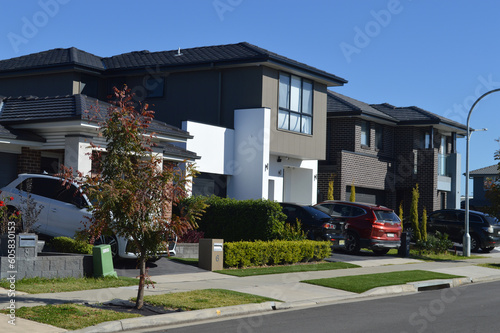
211 254
103 261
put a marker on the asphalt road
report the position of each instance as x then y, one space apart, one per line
471 308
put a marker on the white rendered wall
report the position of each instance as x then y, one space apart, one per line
251 154
213 144
76 154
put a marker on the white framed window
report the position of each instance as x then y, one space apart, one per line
295 104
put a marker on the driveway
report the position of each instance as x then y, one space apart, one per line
162 266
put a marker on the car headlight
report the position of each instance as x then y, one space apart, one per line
489 229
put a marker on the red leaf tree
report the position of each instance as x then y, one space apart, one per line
134 191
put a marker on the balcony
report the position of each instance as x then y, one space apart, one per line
443 165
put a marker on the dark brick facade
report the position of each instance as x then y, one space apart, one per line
29 161
386 175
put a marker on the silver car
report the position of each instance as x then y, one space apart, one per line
64 209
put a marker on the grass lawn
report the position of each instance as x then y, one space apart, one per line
322 266
69 316
204 299
74 316
362 283
448 256
42 285
186 261
496 266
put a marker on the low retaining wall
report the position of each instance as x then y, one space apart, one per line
48 265
187 250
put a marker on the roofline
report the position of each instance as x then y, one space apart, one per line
263 56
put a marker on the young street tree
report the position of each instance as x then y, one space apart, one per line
134 192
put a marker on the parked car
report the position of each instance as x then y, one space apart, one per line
64 208
365 225
316 224
484 230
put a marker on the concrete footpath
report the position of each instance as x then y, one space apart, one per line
284 287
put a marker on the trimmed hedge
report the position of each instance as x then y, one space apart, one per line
69 245
259 253
242 220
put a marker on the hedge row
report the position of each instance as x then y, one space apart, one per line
242 220
243 254
69 245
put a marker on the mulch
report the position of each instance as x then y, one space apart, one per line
120 305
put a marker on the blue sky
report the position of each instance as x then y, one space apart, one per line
437 55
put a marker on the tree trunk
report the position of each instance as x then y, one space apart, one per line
142 277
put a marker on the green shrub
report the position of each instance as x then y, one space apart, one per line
69 245
293 232
242 220
277 252
435 244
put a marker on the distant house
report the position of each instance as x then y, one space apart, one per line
384 151
482 179
256 119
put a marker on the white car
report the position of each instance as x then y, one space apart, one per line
63 212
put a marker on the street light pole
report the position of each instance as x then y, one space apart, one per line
466 243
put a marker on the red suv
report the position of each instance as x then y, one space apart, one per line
365 225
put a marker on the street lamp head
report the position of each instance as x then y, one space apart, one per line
479 130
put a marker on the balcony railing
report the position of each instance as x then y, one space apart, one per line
443 161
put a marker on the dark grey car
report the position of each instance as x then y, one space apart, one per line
484 229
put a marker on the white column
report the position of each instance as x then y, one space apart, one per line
250 178
76 153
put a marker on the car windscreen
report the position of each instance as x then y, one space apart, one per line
316 212
492 220
386 215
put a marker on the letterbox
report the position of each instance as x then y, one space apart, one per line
211 254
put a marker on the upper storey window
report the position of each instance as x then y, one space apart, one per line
295 104
365 133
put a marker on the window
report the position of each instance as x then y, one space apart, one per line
295 104
426 140
40 186
365 133
379 134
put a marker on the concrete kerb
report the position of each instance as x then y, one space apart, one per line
179 318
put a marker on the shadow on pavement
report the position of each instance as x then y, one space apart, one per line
163 266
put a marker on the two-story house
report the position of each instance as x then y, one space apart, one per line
384 151
482 179
257 118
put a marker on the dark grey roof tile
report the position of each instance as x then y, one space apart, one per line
175 151
340 105
489 170
58 108
198 56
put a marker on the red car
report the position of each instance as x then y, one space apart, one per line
365 225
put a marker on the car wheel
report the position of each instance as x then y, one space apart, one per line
488 249
352 245
474 244
409 230
380 252
111 241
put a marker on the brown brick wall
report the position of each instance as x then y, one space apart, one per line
29 161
